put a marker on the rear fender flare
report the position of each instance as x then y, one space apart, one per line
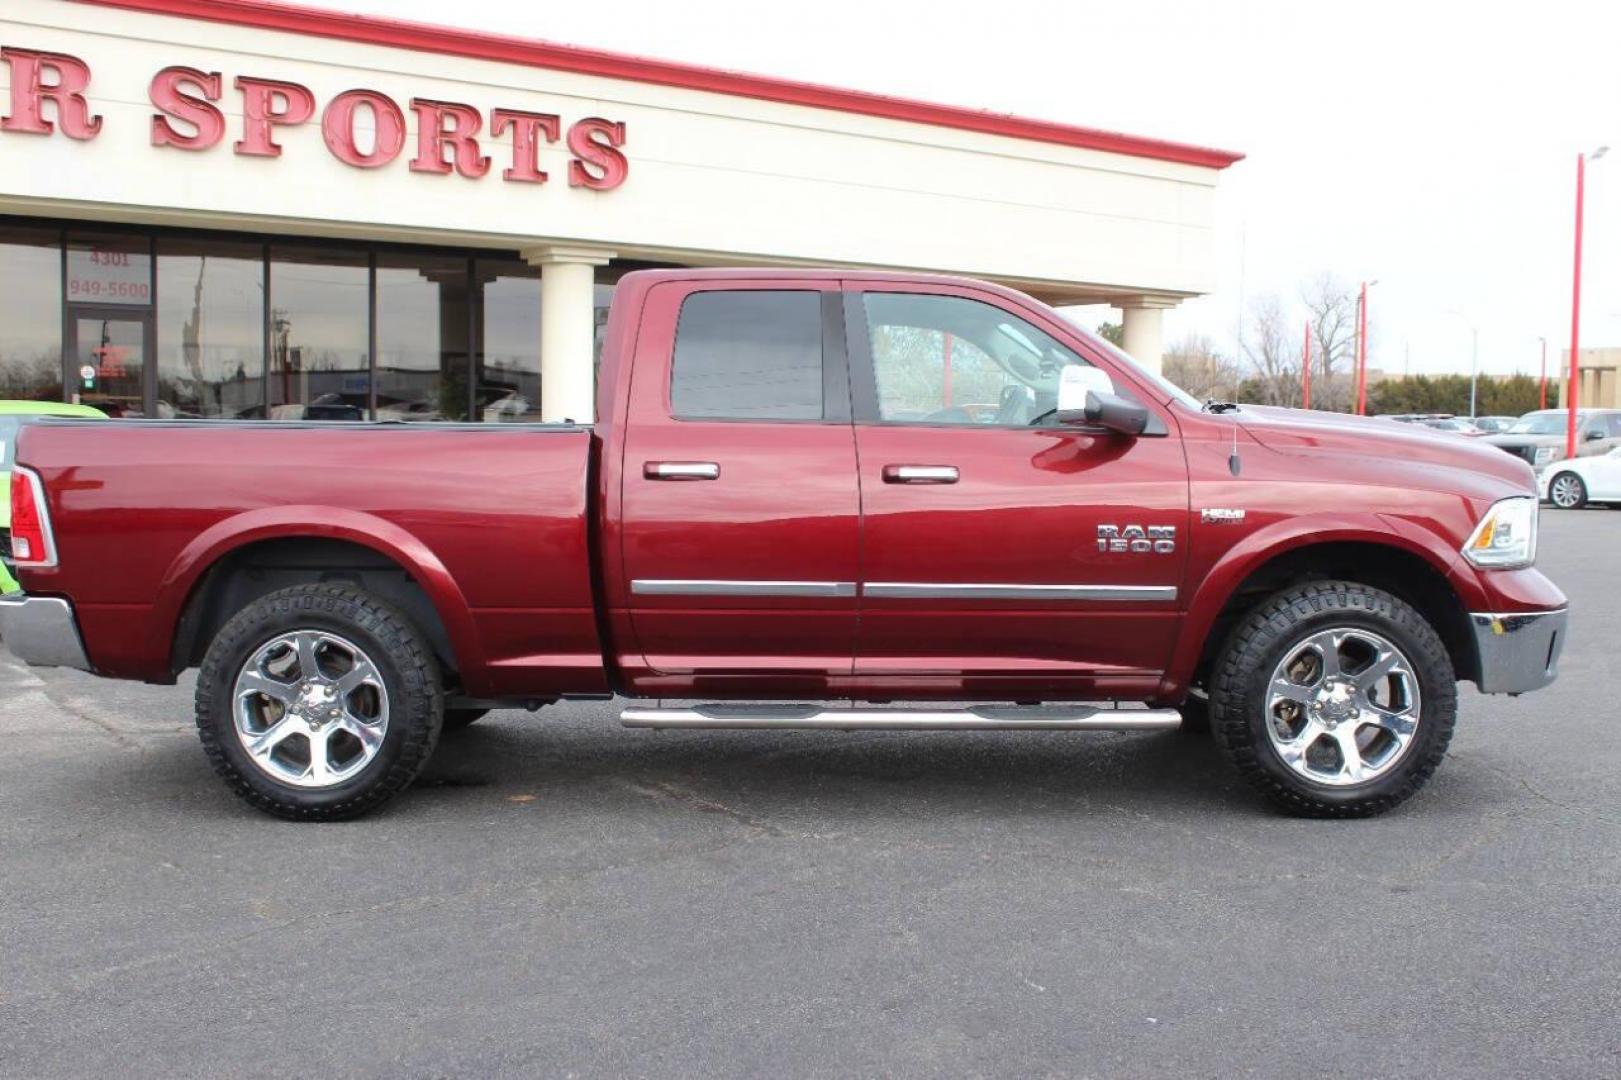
330 523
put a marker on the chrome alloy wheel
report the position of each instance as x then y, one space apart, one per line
1342 707
1566 491
310 708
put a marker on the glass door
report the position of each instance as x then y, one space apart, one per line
107 353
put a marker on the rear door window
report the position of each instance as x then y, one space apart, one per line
748 354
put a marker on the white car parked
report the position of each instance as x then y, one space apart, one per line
1573 484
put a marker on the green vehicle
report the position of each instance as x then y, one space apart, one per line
12 415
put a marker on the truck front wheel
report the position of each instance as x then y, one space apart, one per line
318 702
1334 699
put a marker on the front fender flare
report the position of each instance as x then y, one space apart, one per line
1279 538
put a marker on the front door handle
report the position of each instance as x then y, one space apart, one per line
920 474
681 470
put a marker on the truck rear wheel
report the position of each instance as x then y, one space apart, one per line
1334 699
318 702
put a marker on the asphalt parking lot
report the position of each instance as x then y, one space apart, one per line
561 896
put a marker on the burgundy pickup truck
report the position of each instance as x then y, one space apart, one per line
813 500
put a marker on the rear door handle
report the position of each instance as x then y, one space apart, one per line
681 470
920 474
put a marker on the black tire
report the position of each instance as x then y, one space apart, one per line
456 719
403 660
1257 645
1574 484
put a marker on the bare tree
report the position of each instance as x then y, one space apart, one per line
1194 364
1331 306
1273 352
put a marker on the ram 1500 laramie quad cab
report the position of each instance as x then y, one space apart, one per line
811 500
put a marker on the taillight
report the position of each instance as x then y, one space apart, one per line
31 541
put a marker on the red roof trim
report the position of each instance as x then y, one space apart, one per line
269 15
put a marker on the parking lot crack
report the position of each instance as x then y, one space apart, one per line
118 735
663 791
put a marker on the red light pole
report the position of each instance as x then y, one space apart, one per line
1305 370
1362 347
1573 379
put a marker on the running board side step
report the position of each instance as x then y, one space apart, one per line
979 718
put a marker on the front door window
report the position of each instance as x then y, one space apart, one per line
951 360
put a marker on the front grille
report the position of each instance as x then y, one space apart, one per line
1527 453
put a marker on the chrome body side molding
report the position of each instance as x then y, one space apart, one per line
918 590
697 587
900 590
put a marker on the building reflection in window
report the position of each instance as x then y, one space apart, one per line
422 328
507 374
211 329
319 334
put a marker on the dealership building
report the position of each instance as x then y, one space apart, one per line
241 209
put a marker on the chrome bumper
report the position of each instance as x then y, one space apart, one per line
40 630
1518 651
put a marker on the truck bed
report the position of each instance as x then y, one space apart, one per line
491 521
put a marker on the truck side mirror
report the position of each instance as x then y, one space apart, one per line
1109 411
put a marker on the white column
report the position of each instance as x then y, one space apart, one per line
1143 329
567 329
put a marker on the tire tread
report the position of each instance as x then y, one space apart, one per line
406 650
1244 658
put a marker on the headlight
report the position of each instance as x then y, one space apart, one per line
1507 536
1544 455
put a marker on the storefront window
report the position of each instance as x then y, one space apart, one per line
211 329
185 325
507 373
109 324
30 314
422 331
110 270
320 346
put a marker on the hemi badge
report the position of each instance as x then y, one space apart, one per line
1220 515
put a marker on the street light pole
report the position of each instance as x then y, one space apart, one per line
1542 395
1474 368
1474 358
1305 381
1572 389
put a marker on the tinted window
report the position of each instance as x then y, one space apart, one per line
749 355
30 315
949 360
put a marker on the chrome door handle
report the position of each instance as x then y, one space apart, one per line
681 470
920 474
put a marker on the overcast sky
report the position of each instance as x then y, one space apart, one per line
1429 145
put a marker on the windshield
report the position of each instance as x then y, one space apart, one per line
9 426
1551 422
